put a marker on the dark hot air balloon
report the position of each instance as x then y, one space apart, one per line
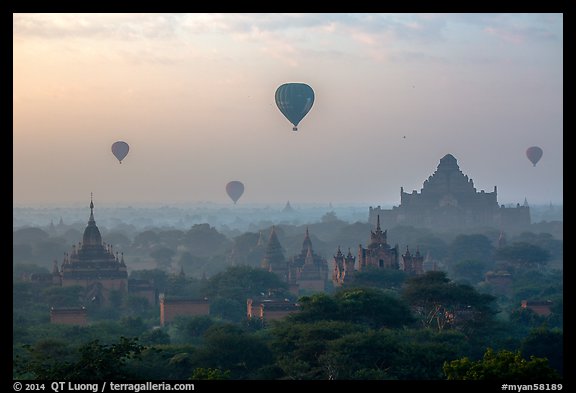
235 189
534 154
294 101
120 150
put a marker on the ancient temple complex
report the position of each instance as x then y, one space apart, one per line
378 254
93 265
449 200
304 272
308 270
274 260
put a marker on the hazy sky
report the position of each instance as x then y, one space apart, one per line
193 95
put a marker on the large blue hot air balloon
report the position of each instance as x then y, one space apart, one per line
294 101
120 150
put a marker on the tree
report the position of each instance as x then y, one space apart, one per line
378 278
440 303
22 270
372 307
159 277
246 252
171 238
50 249
228 347
93 361
503 365
317 307
548 344
118 240
329 217
471 247
432 245
136 305
72 235
228 309
367 306
163 362
155 337
41 358
70 296
146 239
526 317
190 329
523 255
469 270
243 282
298 347
204 240
189 261
163 256
29 236
132 326
362 355
544 240
22 254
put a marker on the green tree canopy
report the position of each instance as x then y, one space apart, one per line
503 365
469 270
228 347
474 247
548 344
204 240
441 303
94 361
523 254
369 306
378 278
298 347
242 282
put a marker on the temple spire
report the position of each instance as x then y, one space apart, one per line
91 219
307 243
260 242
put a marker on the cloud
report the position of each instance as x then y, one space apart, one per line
129 26
286 37
514 35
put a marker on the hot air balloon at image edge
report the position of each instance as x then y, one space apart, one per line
120 150
294 100
534 154
235 189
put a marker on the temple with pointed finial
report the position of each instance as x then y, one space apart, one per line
287 208
449 200
412 264
343 271
274 260
93 265
308 270
378 254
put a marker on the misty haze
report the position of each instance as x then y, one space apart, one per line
288 197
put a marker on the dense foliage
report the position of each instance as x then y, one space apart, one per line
449 323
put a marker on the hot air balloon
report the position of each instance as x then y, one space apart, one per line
294 101
534 154
120 150
235 189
